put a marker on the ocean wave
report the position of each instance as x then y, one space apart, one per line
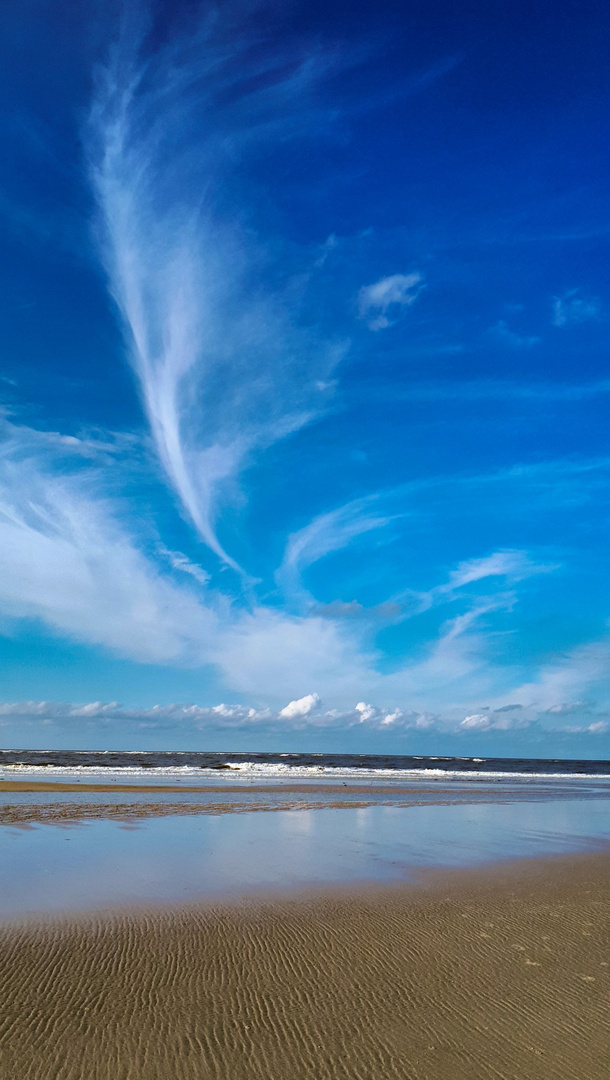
268 771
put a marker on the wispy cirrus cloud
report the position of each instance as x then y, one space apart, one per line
178 561
574 306
225 363
323 535
570 682
337 529
69 560
379 304
66 559
480 585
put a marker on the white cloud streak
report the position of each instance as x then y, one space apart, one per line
568 682
223 364
376 302
181 562
66 560
323 535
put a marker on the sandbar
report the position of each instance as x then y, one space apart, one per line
34 786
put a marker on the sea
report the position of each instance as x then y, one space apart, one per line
92 830
151 766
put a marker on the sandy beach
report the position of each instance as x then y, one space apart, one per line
498 973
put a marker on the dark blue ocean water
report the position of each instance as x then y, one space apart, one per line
290 766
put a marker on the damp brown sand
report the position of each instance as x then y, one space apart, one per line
213 799
499 974
75 813
35 786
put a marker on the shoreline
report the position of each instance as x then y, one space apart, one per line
496 972
291 787
412 786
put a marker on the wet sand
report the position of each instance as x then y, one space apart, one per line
500 973
292 788
69 812
285 796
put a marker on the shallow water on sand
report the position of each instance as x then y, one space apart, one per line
95 863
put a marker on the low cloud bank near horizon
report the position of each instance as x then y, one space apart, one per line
306 714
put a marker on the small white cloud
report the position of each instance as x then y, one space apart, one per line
366 711
478 722
567 707
301 707
485 722
600 727
178 561
513 565
391 718
95 709
393 292
573 307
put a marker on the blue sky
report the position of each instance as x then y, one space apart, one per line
305 322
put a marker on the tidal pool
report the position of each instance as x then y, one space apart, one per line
168 859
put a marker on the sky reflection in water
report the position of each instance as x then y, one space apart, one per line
170 859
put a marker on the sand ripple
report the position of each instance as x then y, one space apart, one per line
501 975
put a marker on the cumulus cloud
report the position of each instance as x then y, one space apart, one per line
301 707
380 303
382 718
306 711
296 716
366 711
